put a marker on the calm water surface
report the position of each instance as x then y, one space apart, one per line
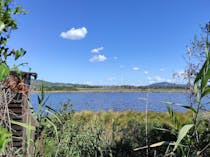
115 101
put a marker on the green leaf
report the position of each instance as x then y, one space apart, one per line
19 53
182 133
22 52
205 92
19 10
2 26
25 125
195 89
188 107
33 112
158 144
4 139
204 80
51 109
3 40
4 71
53 125
199 74
54 115
162 129
39 100
22 64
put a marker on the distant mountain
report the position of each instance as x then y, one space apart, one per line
167 84
50 86
47 83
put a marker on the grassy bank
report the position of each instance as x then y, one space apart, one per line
102 90
111 133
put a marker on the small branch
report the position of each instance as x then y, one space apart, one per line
199 152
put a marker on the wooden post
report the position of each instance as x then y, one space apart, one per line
20 112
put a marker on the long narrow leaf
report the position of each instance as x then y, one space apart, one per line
52 109
54 115
205 79
188 107
162 129
199 74
53 125
158 144
25 125
28 135
205 92
182 133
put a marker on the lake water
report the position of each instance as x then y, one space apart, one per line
116 101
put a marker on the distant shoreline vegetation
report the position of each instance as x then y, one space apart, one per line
67 87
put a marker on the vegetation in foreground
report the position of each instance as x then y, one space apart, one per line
117 134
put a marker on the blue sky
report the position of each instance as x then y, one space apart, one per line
108 42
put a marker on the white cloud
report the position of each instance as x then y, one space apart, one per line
88 83
111 78
146 72
115 58
98 58
75 34
157 79
97 50
162 69
149 78
136 68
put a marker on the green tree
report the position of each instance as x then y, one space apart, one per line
8 11
8 23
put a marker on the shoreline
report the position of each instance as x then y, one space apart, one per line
118 91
